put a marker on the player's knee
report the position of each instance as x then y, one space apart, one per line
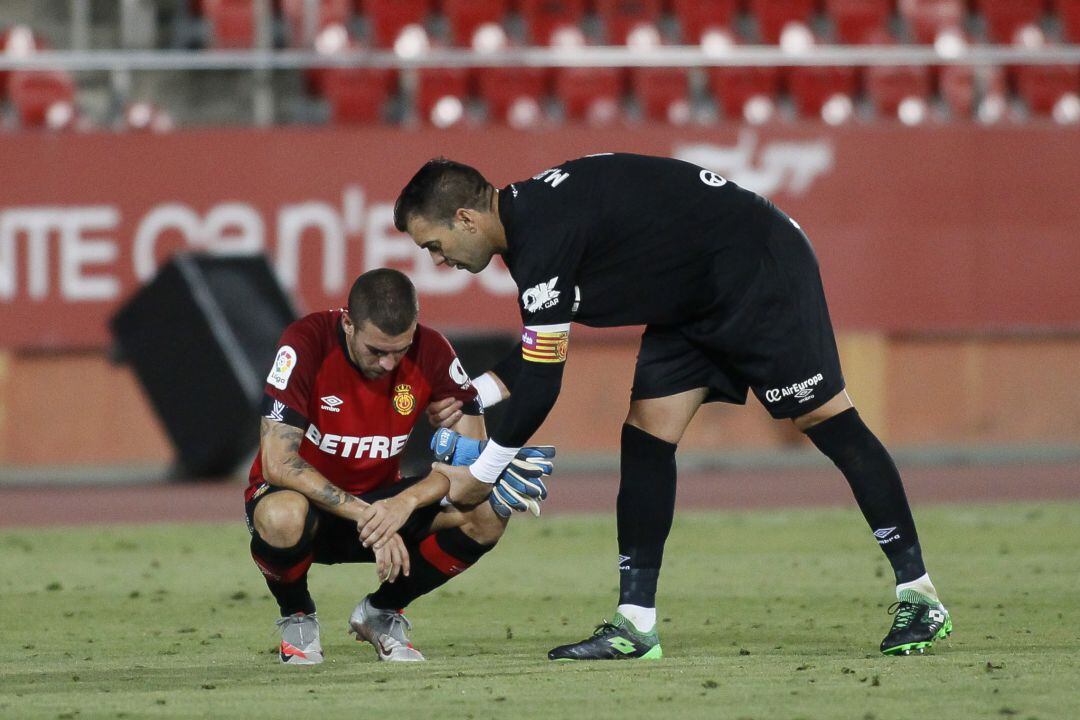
280 518
483 525
836 405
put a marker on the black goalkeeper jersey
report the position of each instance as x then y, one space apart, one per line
619 239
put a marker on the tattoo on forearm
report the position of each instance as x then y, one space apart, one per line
288 440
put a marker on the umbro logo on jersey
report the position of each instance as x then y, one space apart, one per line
542 295
331 402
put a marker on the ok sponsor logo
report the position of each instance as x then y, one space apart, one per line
351 446
541 295
803 391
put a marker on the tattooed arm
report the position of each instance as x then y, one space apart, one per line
283 466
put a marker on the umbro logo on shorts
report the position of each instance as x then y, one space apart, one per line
802 390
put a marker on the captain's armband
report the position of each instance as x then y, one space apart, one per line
545 343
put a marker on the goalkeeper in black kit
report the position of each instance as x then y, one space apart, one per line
729 291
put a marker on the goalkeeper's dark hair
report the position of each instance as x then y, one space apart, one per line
387 298
438 189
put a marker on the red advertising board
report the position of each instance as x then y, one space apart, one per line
937 228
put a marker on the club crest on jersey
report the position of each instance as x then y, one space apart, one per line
541 295
404 400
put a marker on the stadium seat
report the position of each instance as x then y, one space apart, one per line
328 12
42 98
889 86
543 17
592 94
232 23
465 16
928 18
1042 86
858 22
969 91
18 41
697 16
734 87
514 96
1005 17
811 87
662 93
773 15
438 92
387 18
1068 12
357 95
620 17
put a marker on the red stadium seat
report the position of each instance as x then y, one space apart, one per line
435 85
663 93
1005 17
42 97
1068 11
927 18
590 93
964 88
697 16
544 17
514 95
1041 86
734 87
622 16
357 95
386 18
889 86
328 12
811 87
465 16
232 23
858 22
773 15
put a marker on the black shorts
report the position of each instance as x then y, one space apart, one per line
336 539
772 335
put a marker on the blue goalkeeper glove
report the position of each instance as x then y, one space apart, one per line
520 487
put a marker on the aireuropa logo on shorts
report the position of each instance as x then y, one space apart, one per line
802 390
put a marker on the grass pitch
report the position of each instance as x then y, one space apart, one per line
765 615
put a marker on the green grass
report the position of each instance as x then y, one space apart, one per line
766 615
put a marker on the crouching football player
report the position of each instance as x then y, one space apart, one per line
342 397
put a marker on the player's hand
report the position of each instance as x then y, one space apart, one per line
465 490
454 448
444 413
381 519
521 486
392 559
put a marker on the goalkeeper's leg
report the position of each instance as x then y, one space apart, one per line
644 512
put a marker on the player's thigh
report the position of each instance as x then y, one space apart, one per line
673 376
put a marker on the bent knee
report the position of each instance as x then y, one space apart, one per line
280 518
483 525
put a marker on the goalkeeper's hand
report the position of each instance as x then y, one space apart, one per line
521 486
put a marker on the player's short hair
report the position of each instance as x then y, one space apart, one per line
438 189
387 298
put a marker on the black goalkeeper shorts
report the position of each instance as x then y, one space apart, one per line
773 336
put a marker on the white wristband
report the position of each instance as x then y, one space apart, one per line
492 461
487 389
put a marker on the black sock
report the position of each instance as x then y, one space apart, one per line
434 560
285 570
877 487
644 511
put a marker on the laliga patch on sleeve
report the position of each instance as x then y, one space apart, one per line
458 374
284 364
